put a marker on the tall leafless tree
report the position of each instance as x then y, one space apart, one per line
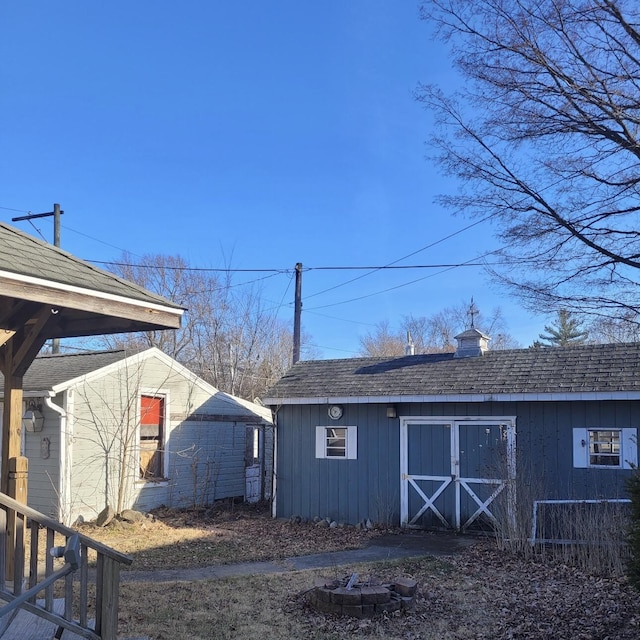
544 137
383 342
623 327
228 336
435 333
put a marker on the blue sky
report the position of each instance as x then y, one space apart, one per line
248 135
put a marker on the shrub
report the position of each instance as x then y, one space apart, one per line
588 535
633 532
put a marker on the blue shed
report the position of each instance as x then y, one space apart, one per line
455 440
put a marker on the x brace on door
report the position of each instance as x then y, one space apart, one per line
429 502
482 505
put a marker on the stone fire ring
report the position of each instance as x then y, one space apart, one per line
362 600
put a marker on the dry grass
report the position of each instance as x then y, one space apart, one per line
480 593
477 594
223 535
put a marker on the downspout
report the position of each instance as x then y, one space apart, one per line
262 442
274 493
64 481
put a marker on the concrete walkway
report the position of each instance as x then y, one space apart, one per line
390 547
26 626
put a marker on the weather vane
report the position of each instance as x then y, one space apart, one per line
473 312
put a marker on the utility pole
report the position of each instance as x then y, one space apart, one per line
56 225
297 313
56 213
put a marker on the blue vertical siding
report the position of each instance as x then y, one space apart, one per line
344 490
369 487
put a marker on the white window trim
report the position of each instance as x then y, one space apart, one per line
628 448
352 442
154 393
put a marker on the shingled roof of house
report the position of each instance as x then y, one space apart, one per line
598 368
25 255
49 370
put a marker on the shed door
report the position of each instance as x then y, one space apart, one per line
454 472
253 466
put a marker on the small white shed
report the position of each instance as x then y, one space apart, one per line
137 430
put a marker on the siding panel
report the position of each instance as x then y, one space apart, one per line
369 487
43 450
205 459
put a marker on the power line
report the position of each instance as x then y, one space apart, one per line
399 286
106 244
278 305
15 210
324 315
388 266
280 270
391 265
394 262
38 231
319 346
195 269
275 271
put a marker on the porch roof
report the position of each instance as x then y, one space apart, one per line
79 299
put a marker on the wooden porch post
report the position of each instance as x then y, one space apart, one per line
12 425
15 522
12 415
18 350
14 466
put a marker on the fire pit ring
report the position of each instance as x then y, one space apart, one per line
362 599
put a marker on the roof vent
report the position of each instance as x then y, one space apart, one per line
410 349
471 343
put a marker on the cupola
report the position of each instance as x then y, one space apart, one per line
471 343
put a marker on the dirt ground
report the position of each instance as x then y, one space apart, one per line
478 593
224 534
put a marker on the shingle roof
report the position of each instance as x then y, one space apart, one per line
25 255
589 368
49 370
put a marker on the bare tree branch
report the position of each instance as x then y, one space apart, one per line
228 337
544 137
435 333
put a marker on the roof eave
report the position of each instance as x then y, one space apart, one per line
145 313
462 397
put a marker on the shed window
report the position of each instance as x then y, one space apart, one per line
602 447
152 419
337 442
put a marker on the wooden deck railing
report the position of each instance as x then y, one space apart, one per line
28 571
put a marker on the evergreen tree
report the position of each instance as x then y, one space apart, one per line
564 332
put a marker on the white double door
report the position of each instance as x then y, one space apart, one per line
456 473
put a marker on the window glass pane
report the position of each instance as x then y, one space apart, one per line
604 447
336 442
256 443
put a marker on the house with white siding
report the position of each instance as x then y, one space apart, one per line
137 431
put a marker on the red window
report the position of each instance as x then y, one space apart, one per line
151 437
